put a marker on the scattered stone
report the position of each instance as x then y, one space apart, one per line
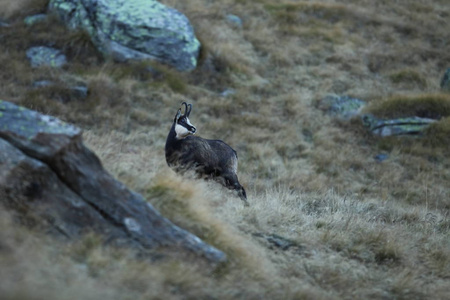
445 82
228 92
235 20
133 30
63 92
342 107
381 157
401 126
80 91
43 83
31 20
4 24
47 174
46 56
276 240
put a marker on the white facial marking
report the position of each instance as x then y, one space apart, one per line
181 131
189 122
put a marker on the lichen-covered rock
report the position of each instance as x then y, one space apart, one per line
342 107
133 29
46 171
46 56
401 126
445 82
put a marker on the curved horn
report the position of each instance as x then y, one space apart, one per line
185 108
189 111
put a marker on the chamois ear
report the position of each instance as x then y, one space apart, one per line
178 115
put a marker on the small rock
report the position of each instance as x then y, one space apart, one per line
342 107
276 240
235 20
228 92
66 93
80 91
46 56
445 82
42 83
3 23
31 20
381 157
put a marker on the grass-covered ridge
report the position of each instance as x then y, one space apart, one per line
328 220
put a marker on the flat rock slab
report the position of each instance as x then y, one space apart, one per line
400 126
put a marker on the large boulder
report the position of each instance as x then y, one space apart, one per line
133 29
47 173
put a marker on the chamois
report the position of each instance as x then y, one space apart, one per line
209 158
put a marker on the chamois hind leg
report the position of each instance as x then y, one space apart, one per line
232 182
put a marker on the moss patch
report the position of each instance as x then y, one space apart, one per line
434 106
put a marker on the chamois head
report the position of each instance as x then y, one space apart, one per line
183 126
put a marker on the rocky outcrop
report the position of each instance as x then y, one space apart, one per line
46 172
133 29
345 108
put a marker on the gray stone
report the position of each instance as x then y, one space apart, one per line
62 91
275 240
4 24
31 20
235 20
133 30
48 173
445 82
381 157
228 92
400 126
46 56
43 83
342 107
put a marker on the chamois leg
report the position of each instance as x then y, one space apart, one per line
232 182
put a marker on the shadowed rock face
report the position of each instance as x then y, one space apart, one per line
133 29
46 169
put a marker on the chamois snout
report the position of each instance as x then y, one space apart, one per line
209 158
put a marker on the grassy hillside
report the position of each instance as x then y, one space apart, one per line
326 221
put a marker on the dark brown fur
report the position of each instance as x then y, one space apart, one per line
209 158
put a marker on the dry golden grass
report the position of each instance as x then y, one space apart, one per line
326 221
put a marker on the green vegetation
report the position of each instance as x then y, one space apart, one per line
434 106
359 228
408 77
